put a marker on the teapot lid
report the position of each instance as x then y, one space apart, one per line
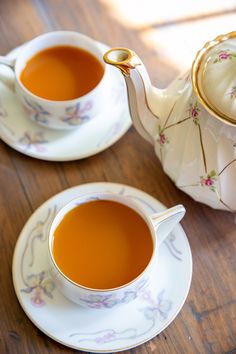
214 77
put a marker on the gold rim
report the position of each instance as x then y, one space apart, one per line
195 70
127 59
133 206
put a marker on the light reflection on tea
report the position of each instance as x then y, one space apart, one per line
62 73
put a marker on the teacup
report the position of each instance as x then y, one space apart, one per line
59 114
159 226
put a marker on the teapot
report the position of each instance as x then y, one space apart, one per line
191 123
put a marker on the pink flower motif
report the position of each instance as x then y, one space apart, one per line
36 299
194 112
209 180
39 285
224 55
162 137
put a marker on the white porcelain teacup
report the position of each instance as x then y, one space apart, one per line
159 225
63 115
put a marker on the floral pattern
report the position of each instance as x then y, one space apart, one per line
91 330
210 176
38 286
232 92
109 301
224 55
36 111
77 114
157 309
34 140
194 112
162 138
209 180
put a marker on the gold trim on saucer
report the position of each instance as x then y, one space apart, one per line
195 71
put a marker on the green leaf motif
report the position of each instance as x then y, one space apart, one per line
213 174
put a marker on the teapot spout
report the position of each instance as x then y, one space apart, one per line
143 98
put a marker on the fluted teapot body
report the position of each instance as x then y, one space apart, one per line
191 123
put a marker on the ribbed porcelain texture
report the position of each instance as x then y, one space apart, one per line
217 77
191 123
197 151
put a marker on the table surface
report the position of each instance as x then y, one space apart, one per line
207 322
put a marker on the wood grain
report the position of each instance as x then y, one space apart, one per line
207 322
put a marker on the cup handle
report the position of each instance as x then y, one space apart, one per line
165 222
7 75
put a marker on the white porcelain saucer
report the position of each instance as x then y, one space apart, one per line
99 330
23 135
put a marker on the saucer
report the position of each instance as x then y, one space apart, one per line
23 135
99 330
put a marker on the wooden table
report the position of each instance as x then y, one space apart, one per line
207 322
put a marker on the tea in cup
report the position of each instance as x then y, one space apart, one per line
60 79
102 248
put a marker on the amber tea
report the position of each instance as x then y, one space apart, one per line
102 244
62 73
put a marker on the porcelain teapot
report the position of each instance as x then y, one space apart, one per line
191 123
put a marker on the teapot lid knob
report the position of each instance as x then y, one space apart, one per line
214 77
